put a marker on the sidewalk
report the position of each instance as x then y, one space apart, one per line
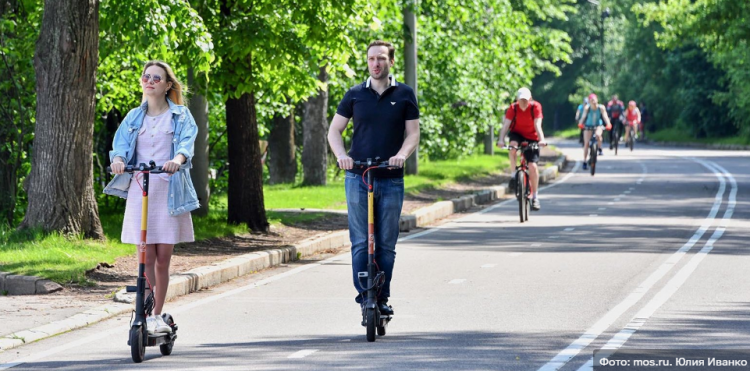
29 318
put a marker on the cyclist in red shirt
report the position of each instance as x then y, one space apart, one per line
633 118
523 120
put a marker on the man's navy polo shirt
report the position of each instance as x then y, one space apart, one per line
379 122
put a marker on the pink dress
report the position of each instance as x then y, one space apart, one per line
154 143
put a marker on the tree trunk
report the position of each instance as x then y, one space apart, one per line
199 108
315 131
410 70
60 185
489 140
245 193
8 184
282 156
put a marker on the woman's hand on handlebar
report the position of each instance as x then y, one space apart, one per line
397 161
542 143
118 166
345 162
171 166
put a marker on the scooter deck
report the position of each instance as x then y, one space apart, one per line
161 338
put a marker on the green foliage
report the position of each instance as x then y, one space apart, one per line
473 56
720 29
19 30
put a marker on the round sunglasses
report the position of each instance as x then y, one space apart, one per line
146 77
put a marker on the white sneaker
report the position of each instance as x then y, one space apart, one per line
162 326
150 324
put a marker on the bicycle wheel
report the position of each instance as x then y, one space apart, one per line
592 157
527 202
617 139
631 141
521 192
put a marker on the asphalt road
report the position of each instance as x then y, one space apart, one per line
649 253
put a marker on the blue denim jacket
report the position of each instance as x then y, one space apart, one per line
182 196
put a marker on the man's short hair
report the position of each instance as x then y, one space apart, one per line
391 49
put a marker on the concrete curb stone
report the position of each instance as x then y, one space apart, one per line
207 276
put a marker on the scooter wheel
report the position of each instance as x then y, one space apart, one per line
381 330
137 344
372 322
166 349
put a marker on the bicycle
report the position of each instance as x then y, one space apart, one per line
139 338
593 150
372 319
616 136
523 183
631 135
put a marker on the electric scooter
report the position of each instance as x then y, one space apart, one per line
372 319
139 337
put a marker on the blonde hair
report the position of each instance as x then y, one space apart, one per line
175 92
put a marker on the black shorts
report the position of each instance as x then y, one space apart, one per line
532 155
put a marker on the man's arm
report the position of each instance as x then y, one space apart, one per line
410 144
335 140
539 131
503 132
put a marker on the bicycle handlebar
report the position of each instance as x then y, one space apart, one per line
151 168
533 145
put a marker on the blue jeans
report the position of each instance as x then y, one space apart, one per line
389 197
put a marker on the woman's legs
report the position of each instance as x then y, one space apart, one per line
163 258
158 257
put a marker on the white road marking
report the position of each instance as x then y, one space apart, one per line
569 229
553 237
613 314
632 188
602 208
536 244
594 215
610 203
626 192
674 284
489 266
302 353
457 281
617 199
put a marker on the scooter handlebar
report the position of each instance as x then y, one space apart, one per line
151 168
379 164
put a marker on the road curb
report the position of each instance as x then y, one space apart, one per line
11 284
203 277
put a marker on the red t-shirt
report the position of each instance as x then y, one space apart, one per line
524 124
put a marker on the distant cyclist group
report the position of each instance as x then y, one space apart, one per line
627 120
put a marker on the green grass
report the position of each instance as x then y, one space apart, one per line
681 136
432 174
65 259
